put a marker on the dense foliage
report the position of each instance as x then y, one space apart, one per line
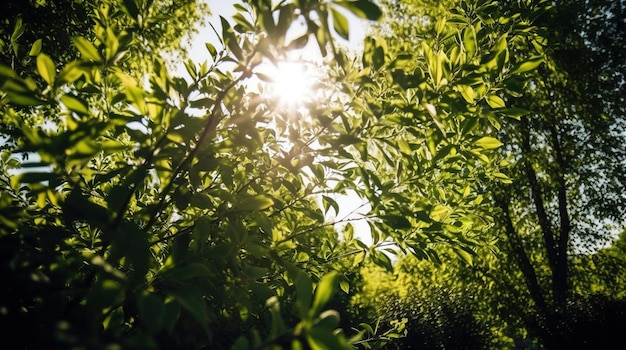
565 197
145 210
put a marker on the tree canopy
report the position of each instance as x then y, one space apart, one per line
144 210
564 199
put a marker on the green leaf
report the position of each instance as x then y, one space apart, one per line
136 95
514 112
488 142
230 39
526 66
28 178
212 50
440 212
469 40
344 285
495 101
340 23
75 104
133 243
322 338
325 290
396 221
7 71
151 310
194 304
442 153
347 139
46 68
304 293
465 255
86 49
24 99
467 92
331 204
381 259
502 178
298 43
258 202
362 8
368 328
36 48
131 8
18 30
285 19
71 72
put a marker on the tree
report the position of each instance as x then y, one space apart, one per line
50 26
566 153
31 27
184 213
566 193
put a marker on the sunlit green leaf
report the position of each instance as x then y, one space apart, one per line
70 72
86 49
321 338
469 40
515 113
440 212
467 92
495 101
488 142
36 48
526 66
75 104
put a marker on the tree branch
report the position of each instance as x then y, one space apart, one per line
542 216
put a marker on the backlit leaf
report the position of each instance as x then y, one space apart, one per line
75 104
526 66
36 48
488 142
514 112
86 49
46 68
440 212
495 101
340 23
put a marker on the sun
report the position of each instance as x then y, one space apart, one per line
292 84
